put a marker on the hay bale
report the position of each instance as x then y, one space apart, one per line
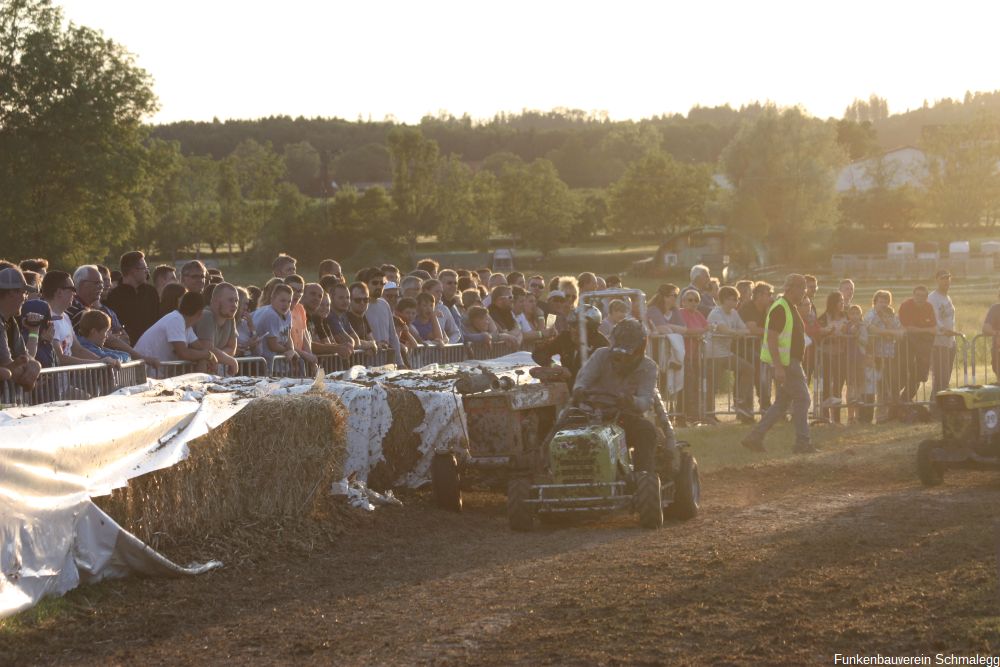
274 460
401 445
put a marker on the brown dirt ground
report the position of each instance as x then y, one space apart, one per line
791 561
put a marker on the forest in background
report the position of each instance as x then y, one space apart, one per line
83 176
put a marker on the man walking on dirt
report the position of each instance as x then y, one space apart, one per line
783 350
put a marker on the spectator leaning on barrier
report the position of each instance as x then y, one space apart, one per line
163 275
246 337
406 312
847 291
360 301
194 276
991 327
919 322
340 320
36 317
134 300
662 314
93 329
321 335
943 352
502 313
299 331
745 290
426 322
89 287
170 337
58 291
451 301
727 328
833 354
15 362
283 266
450 329
216 330
886 334
274 325
477 325
695 326
783 350
379 315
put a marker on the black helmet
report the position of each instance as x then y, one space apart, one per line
591 315
628 337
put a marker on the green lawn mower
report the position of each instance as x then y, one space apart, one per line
970 433
586 467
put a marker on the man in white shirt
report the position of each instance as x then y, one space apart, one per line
727 326
379 315
452 332
58 291
170 338
943 352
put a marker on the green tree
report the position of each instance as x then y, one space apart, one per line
302 165
535 205
884 204
962 184
232 210
657 194
258 168
415 163
783 166
71 153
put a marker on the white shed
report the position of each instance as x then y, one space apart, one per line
900 249
989 247
958 248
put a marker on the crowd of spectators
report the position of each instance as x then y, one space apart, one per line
858 353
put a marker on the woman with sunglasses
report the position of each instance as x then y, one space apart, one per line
695 326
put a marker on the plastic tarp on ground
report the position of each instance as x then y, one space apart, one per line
54 458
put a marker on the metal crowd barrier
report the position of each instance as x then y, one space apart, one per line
438 354
79 382
493 350
723 375
171 369
983 363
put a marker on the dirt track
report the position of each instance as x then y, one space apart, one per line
791 561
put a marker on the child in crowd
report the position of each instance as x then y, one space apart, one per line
426 323
856 361
617 311
478 325
406 312
94 327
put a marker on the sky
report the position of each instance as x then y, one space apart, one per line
405 59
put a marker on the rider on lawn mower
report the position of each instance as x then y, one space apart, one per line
623 370
567 344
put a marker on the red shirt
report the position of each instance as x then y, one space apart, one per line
913 314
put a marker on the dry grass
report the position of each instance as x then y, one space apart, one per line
272 463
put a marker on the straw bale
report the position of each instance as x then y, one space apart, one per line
401 445
271 462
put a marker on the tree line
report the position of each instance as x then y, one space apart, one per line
82 176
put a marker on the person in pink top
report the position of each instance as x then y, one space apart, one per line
695 326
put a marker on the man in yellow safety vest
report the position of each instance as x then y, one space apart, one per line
783 349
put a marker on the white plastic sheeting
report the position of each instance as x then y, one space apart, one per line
54 458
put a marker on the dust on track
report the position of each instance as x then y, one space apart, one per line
790 562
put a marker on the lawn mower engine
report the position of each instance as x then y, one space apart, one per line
970 433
